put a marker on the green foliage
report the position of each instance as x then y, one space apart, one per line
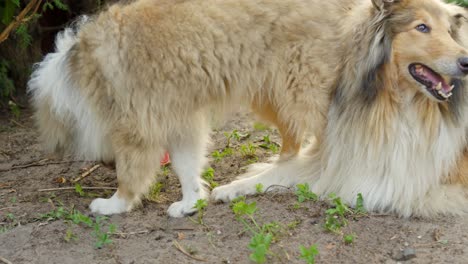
9 9
335 217
155 192
73 216
304 194
220 155
259 188
6 84
260 126
459 2
263 235
234 135
270 145
208 176
200 205
360 205
14 108
309 254
260 245
248 151
349 239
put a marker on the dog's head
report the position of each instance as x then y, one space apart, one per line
426 48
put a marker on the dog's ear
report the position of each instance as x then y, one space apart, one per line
383 5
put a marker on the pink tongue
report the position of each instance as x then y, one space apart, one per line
435 79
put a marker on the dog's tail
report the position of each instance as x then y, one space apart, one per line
51 75
53 91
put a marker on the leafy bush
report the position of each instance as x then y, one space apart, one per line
459 2
16 17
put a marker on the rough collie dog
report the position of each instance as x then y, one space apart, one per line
145 77
398 119
141 78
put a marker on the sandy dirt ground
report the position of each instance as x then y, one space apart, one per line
35 225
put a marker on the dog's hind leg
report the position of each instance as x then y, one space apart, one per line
187 147
136 164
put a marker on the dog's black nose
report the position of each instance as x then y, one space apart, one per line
463 64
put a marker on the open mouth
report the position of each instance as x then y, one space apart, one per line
433 82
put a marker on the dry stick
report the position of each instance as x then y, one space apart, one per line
181 249
4 260
122 234
39 164
18 123
6 208
73 188
34 4
86 173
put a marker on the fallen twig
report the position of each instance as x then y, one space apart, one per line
124 235
18 123
39 163
86 173
181 249
4 260
6 208
73 188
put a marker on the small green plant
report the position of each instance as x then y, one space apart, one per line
217 155
349 238
200 205
102 236
79 189
14 108
260 246
70 236
208 176
309 254
335 217
263 235
248 151
260 126
154 193
234 135
73 216
7 86
360 209
259 188
303 193
270 145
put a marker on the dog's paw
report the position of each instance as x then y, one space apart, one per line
181 209
113 205
230 191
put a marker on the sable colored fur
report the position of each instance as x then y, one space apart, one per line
387 136
141 78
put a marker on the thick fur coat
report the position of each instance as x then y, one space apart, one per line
386 136
145 77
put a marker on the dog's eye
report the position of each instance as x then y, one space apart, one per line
423 28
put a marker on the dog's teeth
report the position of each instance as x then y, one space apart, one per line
442 94
439 86
448 95
451 87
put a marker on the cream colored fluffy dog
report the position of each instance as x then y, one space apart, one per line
141 78
398 121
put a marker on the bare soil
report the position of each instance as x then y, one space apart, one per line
148 235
